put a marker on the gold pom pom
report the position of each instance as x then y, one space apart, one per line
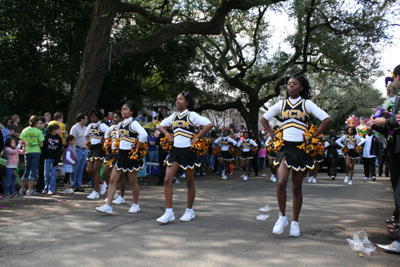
137 154
200 146
312 145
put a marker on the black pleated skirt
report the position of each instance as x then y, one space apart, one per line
123 163
184 156
96 152
295 158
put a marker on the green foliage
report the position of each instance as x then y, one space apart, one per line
41 43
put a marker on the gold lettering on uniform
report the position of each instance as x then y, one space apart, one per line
285 114
94 131
181 124
123 132
301 115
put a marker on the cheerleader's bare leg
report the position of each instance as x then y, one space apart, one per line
297 182
96 174
106 173
352 163
248 161
134 186
112 187
347 165
169 179
189 176
282 175
122 184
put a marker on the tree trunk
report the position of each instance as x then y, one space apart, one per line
95 60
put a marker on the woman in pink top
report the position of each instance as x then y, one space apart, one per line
12 153
262 153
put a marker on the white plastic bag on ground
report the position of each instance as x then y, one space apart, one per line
360 242
265 208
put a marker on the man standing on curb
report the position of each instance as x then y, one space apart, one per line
78 130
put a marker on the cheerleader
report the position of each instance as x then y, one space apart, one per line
95 135
351 140
246 157
313 173
127 132
295 110
183 125
112 133
272 156
224 142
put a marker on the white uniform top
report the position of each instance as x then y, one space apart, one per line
367 147
183 125
111 132
246 144
225 142
127 131
295 133
350 141
96 132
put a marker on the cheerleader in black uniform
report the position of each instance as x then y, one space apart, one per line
295 112
183 125
95 134
317 160
271 157
246 157
112 133
351 140
226 157
127 132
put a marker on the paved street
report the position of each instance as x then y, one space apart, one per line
67 231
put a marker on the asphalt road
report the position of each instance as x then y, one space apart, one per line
67 231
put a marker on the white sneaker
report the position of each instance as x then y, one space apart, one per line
189 215
93 195
166 218
310 179
243 175
68 191
134 208
280 224
224 177
314 181
365 178
119 200
183 176
177 181
105 209
274 180
116 195
350 182
373 178
245 178
346 179
272 177
103 188
223 173
294 229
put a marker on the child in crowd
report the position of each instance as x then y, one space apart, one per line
68 162
12 152
52 149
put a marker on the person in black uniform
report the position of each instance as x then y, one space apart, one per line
332 154
183 124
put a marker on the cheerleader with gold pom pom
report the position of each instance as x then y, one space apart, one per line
295 112
130 142
187 145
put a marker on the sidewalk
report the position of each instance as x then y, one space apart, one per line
67 231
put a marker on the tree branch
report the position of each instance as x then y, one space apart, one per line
133 8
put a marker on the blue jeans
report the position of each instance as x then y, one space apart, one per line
50 175
153 156
31 166
211 161
76 176
261 163
9 187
